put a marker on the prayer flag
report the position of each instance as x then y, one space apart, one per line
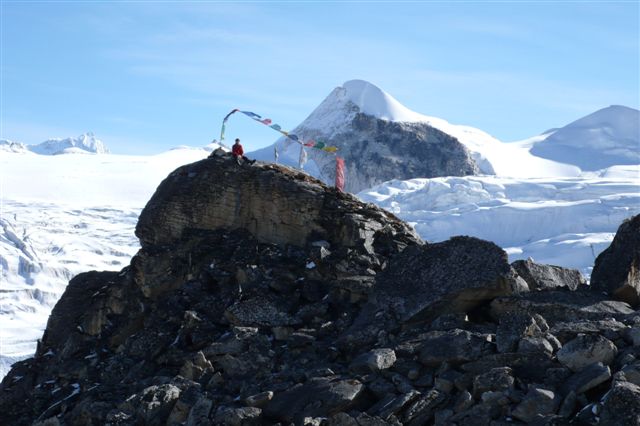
340 174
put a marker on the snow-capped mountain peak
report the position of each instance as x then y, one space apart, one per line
83 144
372 100
360 96
357 96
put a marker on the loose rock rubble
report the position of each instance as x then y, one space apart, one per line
260 297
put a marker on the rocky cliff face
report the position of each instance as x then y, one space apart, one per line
376 151
379 139
261 296
617 269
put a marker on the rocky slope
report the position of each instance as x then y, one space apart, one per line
376 151
261 296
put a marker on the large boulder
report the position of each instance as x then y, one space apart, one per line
561 305
617 269
496 379
543 277
452 276
609 328
538 401
453 346
274 203
154 404
427 281
317 398
587 378
259 311
514 327
374 360
621 405
585 350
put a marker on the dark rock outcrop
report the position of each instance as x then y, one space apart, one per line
617 269
376 151
276 205
337 316
587 379
622 405
453 347
585 350
542 277
537 402
316 398
453 276
562 306
512 328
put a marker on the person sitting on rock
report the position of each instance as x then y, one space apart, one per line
238 152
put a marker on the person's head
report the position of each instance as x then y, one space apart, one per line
237 141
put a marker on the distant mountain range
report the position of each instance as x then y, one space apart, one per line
86 143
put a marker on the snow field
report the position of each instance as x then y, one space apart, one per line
560 221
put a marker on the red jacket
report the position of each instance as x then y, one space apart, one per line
237 150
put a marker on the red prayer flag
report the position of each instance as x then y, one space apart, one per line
340 174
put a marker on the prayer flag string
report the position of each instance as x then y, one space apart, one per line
268 122
340 172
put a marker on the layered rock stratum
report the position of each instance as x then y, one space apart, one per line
261 296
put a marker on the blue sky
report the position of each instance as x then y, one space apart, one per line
148 76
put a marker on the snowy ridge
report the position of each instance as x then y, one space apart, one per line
10 146
607 137
86 143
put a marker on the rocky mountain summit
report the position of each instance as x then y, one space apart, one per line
377 150
378 138
261 296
